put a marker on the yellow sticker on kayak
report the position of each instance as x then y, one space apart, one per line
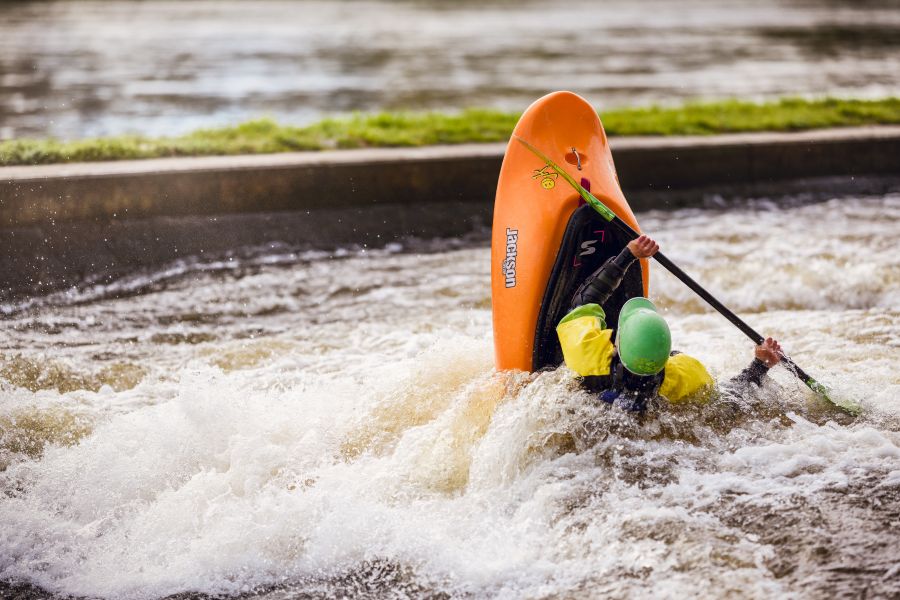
547 177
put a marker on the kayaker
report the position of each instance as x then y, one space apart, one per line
638 365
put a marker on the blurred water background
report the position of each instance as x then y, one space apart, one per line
88 68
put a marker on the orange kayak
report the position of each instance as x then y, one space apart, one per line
546 241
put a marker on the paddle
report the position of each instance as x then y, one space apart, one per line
847 405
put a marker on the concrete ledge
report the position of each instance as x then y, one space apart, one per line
359 178
244 184
755 158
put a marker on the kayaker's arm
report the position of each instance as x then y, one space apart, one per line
766 355
752 374
603 282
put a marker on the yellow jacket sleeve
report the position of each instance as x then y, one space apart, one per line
686 379
586 342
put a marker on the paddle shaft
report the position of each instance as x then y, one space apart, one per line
712 301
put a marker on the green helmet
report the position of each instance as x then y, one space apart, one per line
643 338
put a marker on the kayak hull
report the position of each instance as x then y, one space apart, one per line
540 249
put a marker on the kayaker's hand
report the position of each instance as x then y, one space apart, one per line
769 352
643 247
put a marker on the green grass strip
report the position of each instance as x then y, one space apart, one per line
473 125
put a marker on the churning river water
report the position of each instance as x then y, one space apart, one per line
330 425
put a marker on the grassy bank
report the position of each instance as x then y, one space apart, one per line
474 125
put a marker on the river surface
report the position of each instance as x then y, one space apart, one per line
75 68
331 425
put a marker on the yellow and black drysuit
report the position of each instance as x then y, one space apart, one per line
589 350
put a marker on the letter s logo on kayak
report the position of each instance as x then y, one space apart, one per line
508 267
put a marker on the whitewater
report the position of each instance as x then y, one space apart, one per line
329 424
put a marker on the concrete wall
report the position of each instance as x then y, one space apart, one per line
358 178
63 224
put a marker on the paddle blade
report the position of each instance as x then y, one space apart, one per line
849 406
